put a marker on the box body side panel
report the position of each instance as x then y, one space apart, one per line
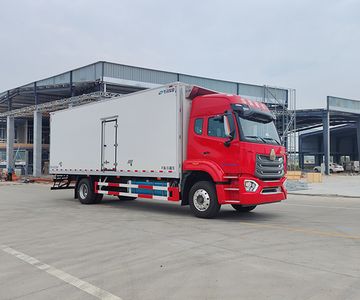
148 133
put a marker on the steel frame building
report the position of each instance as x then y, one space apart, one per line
340 115
100 80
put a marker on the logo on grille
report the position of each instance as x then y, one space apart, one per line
272 154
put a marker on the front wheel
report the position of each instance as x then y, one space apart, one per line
241 208
203 200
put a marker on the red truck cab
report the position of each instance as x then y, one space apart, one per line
232 144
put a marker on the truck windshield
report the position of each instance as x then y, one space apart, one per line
259 132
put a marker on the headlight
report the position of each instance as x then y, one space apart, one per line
250 185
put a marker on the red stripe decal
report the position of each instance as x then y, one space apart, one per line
113 193
148 187
145 196
113 184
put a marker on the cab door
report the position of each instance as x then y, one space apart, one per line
213 142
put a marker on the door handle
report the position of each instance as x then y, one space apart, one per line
206 153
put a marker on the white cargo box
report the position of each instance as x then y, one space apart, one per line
139 134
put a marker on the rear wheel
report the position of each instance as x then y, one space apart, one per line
86 193
203 200
241 208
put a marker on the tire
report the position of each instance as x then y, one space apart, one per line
126 198
241 208
203 200
86 193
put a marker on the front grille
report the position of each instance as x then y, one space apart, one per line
269 169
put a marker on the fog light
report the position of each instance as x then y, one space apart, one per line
250 185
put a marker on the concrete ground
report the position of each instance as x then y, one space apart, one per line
52 247
334 185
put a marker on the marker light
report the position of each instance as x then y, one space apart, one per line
250 185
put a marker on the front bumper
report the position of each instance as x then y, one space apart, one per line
267 192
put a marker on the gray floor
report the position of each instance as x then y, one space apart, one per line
304 248
334 185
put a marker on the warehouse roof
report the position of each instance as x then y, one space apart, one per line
123 79
342 111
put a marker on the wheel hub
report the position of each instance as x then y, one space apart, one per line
201 200
83 191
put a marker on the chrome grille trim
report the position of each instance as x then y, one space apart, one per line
269 169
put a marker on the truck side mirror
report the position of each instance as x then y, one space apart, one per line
229 132
226 125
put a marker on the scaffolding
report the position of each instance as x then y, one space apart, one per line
285 113
51 106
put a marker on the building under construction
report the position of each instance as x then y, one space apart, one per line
24 110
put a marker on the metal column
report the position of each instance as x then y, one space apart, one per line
326 140
358 137
10 139
72 93
301 154
37 150
9 101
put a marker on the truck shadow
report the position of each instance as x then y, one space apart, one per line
151 206
259 216
175 209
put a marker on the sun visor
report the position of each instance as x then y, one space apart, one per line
256 111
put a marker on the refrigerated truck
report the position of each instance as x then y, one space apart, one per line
177 142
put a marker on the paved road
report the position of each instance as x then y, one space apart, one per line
334 185
54 248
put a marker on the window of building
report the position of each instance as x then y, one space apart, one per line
2 134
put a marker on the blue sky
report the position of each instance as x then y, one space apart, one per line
312 46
